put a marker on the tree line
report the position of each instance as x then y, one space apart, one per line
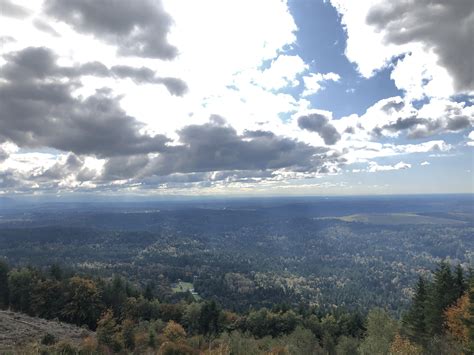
127 318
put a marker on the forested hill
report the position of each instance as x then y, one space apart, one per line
130 319
356 253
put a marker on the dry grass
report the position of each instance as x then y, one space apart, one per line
19 330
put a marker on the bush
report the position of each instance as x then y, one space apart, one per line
48 339
65 348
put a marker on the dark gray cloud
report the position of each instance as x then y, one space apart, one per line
442 125
7 8
458 123
320 124
214 152
259 134
138 28
175 86
404 123
40 62
393 106
417 127
445 26
349 130
38 110
217 147
30 63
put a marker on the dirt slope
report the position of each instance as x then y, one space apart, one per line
18 329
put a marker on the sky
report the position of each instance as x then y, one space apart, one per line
236 97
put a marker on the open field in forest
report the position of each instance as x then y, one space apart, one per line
396 218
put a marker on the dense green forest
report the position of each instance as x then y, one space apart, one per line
248 256
131 319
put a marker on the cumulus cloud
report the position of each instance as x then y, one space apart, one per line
66 165
444 26
315 81
28 172
320 124
40 62
282 72
140 75
428 43
39 110
138 28
395 117
215 146
425 163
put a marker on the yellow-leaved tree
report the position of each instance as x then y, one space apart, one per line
456 318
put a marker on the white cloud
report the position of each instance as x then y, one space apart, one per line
282 72
471 139
418 74
374 167
380 30
425 163
315 82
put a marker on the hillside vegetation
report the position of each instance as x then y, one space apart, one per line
19 331
129 319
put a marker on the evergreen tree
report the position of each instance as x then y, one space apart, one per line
56 272
442 294
149 291
21 287
47 300
209 318
4 289
459 282
415 320
116 295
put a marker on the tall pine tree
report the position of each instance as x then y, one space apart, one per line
442 294
415 319
4 290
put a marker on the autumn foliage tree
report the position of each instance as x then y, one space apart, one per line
457 317
83 303
403 346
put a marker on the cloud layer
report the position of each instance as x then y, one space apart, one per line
128 97
137 28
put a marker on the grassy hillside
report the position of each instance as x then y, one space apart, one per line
18 331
